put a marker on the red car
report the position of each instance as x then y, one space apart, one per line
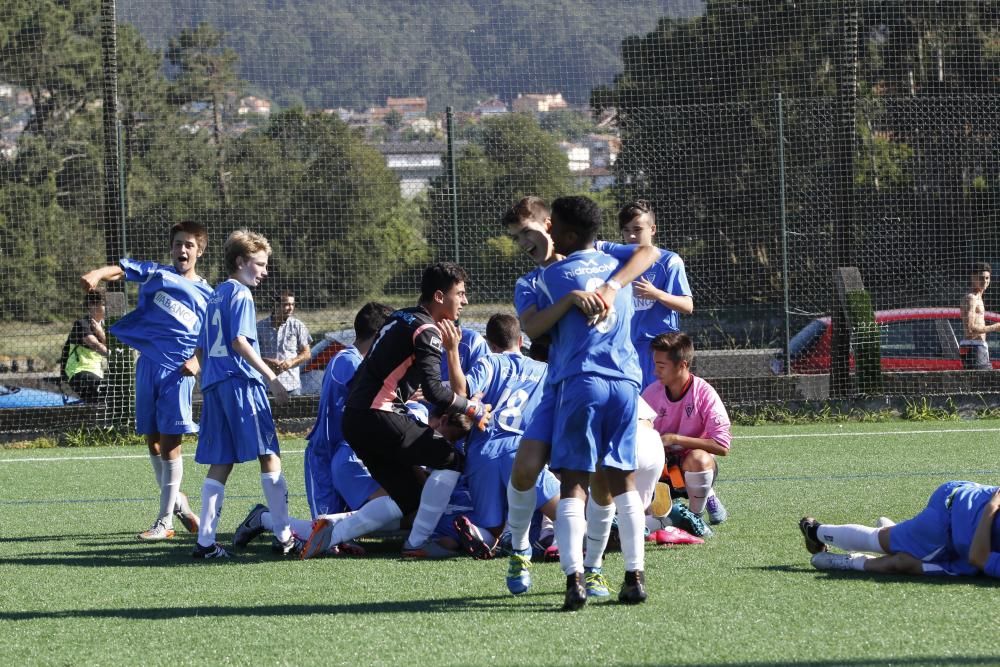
912 339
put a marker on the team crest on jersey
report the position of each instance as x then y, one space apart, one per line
688 409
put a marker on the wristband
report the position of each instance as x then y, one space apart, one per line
613 284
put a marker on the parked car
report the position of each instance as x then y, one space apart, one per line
912 339
16 398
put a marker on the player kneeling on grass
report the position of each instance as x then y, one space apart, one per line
236 421
955 534
694 427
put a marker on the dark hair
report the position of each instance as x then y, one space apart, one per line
503 330
579 213
370 319
539 350
530 208
678 346
94 298
441 276
634 209
979 267
195 229
283 294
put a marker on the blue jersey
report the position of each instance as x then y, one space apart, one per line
652 318
336 378
605 349
166 321
471 348
525 291
512 384
967 503
230 313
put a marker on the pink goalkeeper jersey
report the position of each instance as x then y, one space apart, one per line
698 413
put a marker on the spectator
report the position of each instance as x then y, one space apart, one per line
284 342
85 350
972 348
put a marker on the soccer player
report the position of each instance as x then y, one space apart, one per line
407 354
164 328
528 223
972 348
596 376
693 425
660 293
236 421
513 384
471 347
955 534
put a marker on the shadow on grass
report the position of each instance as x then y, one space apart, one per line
981 581
101 538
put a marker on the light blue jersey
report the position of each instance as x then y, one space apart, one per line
166 322
339 372
526 291
577 347
231 313
471 348
652 318
513 385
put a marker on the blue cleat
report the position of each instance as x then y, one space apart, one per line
716 510
685 519
595 584
519 573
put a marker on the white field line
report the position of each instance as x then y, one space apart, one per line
59 459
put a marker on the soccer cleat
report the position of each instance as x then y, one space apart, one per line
661 500
674 535
159 531
250 528
716 510
472 539
290 547
349 549
809 526
182 510
825 560
576 594
429 550
884 522
319 540
634 589
204 553
518 573
595 584
685 519
504 545
551 553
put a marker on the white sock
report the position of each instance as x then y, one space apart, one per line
372 516
698 485
571 525
170 486
655 523
630 526
520 508
157 469
850 537
599 518
857 561
301 528
212 495
433 502
649 459
276 494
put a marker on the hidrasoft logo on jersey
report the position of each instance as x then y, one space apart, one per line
179 311
588 268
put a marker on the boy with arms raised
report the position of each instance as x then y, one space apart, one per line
596 375
236 421
528 223
693 425
164 328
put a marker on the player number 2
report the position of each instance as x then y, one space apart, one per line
218 348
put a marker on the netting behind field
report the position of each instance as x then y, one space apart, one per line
776 140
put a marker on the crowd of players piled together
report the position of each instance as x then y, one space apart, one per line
469 443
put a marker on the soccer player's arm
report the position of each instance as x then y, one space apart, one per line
980 554
676 293
537 321
451 337
632 266
716 436
90 280
427 359
243 347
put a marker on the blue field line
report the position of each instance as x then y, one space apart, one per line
144 457
105 501
943 474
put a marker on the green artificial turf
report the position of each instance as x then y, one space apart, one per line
77 588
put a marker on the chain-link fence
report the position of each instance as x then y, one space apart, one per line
778 141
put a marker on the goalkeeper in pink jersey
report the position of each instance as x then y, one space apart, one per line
691 420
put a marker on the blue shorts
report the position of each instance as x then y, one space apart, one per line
595 424
351 479
320 494
927 536
162 400
488 488
540 426
236 423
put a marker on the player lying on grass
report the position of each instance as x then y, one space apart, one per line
512 384
693 425
236 421
164 328
957 533
529 224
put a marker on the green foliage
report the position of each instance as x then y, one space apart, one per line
823 414
97 436
921 409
